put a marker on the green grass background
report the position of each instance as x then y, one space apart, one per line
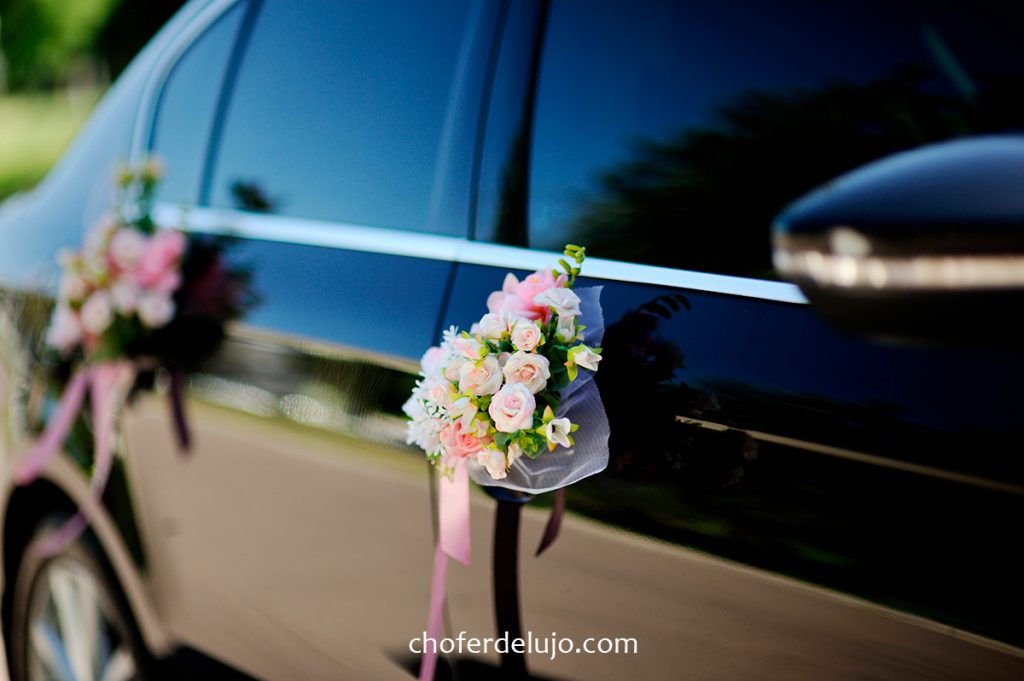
34 130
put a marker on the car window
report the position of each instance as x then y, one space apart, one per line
187 105
671 133
339 110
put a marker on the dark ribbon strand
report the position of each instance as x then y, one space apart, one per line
554 522
181 430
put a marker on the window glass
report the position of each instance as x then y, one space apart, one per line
671 133
187 105
339 110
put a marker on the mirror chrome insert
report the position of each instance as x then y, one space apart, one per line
921 273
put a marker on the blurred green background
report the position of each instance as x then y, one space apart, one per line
57 57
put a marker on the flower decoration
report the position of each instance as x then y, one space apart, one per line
134 298
506 404
133 282
491 393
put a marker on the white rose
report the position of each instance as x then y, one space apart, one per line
125 296
452 368
433 361
583 356
526 335
563 301
97 313
480 378
528 369
98 238
565 329
493 326
72 287
155 309
437 391
494 461
126 247
65 330
557 432
463 409
514 452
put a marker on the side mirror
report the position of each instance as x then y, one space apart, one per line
922 246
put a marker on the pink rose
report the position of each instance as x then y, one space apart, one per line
534 285
528 369
158 266
480 378
537 283
497 301
469 348
461 440
512 408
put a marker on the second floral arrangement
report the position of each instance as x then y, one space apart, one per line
497 393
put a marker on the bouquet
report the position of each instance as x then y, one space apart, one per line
511 403
134 298
142 292
493 395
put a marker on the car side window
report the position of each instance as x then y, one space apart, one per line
339 112
671 133
187 105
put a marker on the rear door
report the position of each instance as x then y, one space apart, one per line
333 142
783 501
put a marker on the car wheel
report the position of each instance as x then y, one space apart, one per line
69 619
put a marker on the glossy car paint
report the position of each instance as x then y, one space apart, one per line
294 541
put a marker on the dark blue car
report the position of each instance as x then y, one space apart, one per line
830 489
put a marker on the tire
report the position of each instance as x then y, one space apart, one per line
69 618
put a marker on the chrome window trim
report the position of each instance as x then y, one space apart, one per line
164 63
454 249
392 241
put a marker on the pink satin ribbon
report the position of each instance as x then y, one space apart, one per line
452 540
106 382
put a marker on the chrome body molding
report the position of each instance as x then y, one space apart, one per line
453 249
851 455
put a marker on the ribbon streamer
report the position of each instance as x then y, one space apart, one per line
174 395
554 523
107 383
506 584
453 541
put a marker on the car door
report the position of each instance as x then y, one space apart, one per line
331 143
783 500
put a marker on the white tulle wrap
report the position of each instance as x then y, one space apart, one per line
581 404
